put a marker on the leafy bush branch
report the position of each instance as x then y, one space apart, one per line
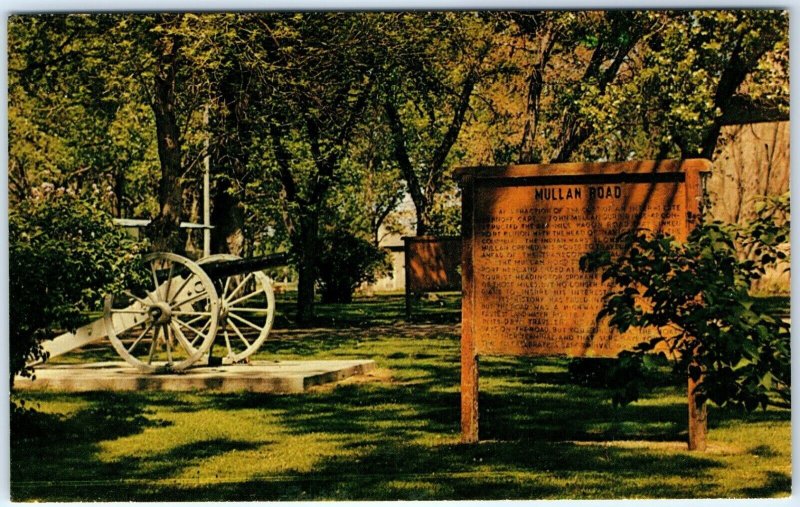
694 297
65 253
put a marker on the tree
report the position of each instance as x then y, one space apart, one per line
427 93
232 55
697 67
370 186
594 47
163 50
164 230
313 116
544 29
96 71
66 126
347 261
233 139
312 108
645 84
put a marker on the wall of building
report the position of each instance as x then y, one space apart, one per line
752 161
395 280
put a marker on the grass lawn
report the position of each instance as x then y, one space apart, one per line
393 434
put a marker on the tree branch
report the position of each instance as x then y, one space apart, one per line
401 153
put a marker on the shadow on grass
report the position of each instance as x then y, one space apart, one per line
182 457
491 470
62 449
527 436
109 415
384 309
776 481
543 436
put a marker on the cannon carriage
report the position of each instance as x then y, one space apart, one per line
183 311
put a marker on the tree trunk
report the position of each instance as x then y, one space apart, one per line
164 231
527 152
423 217
227 236
576 130
732 77
306 251
231 157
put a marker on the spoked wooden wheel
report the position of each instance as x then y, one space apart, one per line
172 324
247 309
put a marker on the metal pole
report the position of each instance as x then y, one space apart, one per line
207 194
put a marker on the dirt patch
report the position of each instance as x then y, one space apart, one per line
381 375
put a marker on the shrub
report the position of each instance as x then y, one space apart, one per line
695 298
345 262
765 239
64 254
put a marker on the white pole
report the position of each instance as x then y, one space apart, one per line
207 195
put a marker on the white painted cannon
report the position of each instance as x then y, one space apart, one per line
187 309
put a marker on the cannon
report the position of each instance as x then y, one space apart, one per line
183 311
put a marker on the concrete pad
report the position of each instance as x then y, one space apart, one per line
258 377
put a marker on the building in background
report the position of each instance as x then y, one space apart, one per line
752 162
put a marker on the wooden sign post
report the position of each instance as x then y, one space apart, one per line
524 229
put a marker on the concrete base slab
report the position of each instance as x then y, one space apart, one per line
258 377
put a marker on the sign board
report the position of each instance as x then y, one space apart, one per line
524 230
432 264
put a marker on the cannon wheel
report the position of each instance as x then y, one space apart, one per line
173 325
244 323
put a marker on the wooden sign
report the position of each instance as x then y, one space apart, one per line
432 264
524 230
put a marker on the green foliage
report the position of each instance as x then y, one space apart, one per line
766 237
694 297
345 262
433 66
77 116
26 422
693 63
445 215
369 190
65 254
620 85
318 119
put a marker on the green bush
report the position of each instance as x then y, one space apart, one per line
695 298
766 238
345 262
64 255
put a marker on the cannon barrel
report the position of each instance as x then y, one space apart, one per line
218 270
222 269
